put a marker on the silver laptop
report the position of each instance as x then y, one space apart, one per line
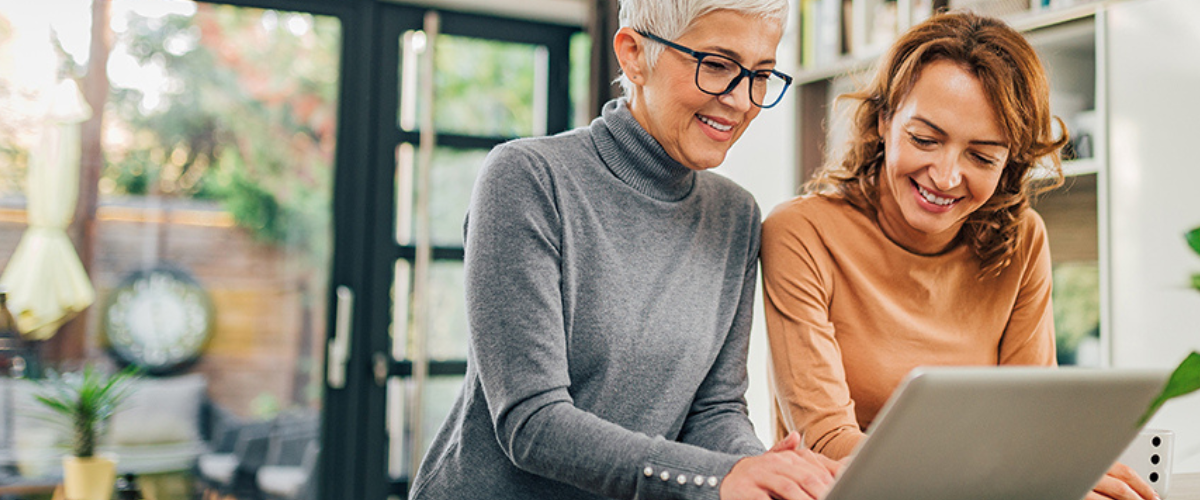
998 433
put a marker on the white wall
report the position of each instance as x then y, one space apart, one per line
1154 198
573 12
763 161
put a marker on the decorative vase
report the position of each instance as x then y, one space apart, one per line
88 478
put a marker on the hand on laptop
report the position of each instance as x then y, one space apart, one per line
1122 483
789 471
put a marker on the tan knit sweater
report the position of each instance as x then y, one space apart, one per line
849 313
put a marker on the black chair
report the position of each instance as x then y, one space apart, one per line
291 476
261 460
230 469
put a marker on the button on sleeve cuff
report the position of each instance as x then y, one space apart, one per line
679 471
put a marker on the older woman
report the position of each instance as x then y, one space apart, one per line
610 282
920 247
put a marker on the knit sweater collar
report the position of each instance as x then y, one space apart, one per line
635 157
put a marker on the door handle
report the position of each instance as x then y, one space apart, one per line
338 352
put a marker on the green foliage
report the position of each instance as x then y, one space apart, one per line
1193 240
1076 298
85 401
247 118
254 207
1184 380
265 406
484 87
14 160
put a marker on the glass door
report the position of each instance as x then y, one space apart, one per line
445 88
476 82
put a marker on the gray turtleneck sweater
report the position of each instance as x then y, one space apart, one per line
609 295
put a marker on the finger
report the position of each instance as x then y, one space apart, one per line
1133 480
827 467
1116 489
800 467
791 442
816 486
1092 495
806 470
833 466
784 487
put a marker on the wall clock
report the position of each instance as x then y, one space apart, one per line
159 319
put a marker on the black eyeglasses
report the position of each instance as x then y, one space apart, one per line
719 75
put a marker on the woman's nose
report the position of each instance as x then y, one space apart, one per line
945 173
739 97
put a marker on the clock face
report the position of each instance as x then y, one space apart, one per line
158 319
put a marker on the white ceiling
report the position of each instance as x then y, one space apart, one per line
573 12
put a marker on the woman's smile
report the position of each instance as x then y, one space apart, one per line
933 201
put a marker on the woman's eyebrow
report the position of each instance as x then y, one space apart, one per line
939 130
735 56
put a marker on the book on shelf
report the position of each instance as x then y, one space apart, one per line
821 37
808 33
997 8
829 37
832 29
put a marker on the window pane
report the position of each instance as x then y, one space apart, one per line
1076 299
447 337
581 69
217 165
482 87
402 289
452 176
397 426
439 396
447 311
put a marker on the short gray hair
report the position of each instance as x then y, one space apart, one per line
670 19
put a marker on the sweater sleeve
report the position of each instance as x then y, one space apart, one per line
1029 336
718 419
518 343
809 379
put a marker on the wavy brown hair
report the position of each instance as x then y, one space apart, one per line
1015 82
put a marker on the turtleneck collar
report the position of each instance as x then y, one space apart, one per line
635 157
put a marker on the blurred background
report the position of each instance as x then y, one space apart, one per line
260 203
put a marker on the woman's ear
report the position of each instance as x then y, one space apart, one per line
627 45
883 128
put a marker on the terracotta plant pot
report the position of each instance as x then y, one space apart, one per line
89 478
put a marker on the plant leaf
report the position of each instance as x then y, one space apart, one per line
1196 281
1193 239
85 401
1184 380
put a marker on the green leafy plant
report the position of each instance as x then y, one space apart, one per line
85 401
1184 380
1193 239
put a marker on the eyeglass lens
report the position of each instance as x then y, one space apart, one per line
716 75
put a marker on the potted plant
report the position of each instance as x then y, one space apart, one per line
85 401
